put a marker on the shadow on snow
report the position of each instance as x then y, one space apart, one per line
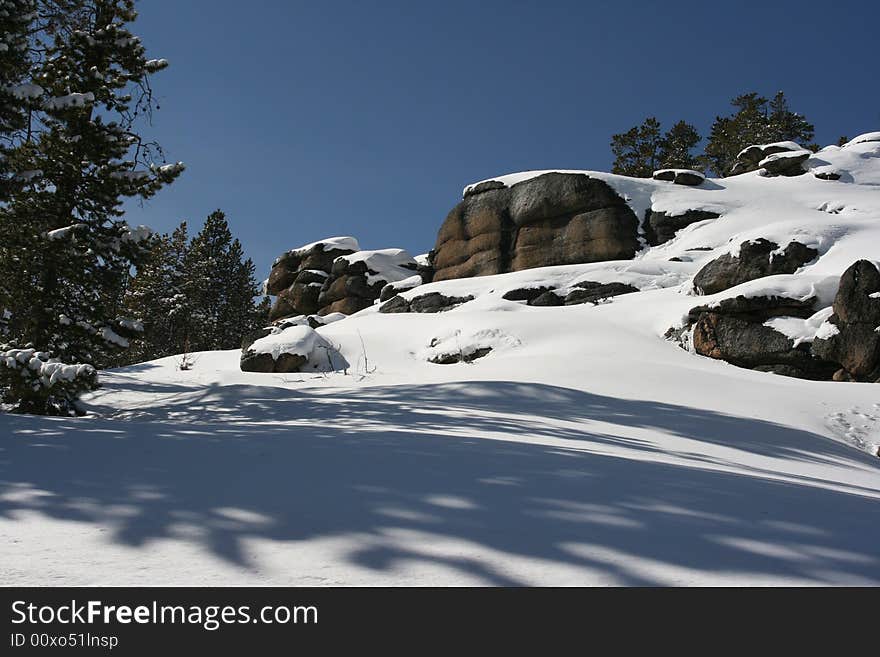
377 461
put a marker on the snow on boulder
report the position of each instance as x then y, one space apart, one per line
754 259
466 347
298 275
316 255
388 265
787 163
357 280
289 350
399 286
801 330
751 157
861 139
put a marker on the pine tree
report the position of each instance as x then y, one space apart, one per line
755 121
678 146
16 20
641 150
637 151
66 251
155 296
785 125
219 287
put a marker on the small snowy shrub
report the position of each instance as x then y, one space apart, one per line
34 382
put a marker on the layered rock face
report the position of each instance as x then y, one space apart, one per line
553 219
298 276
335 276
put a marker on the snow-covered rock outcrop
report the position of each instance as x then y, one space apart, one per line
751 263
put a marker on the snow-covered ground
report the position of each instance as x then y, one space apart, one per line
583 449
585 452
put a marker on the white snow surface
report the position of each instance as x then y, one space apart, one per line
583 450
346 243
787 145
384 264
300 339
802 330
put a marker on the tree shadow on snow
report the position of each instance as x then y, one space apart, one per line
443 463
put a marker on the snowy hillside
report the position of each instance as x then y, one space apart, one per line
577 445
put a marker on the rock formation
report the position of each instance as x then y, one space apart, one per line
756 259
335 276
552 219
854 341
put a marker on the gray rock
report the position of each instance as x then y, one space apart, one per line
689 178
434 302
484 187
757 309
661 227
396 304
786 166
827 175
525 293
548 298
556 194
591 292
254 362
666 175
755 346
287 363
754 261
552 219
460 357
680 176
856 346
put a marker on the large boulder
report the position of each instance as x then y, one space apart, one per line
594 236
476 237
661 227
753 157
285 350
790 163
756 259
735 330
552 219
852 338
756 346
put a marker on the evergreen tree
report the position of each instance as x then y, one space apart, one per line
637 152
16 20
755 121
219 287
678 146
66 251
155 294
641 150
785 125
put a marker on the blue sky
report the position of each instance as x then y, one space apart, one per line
303 120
